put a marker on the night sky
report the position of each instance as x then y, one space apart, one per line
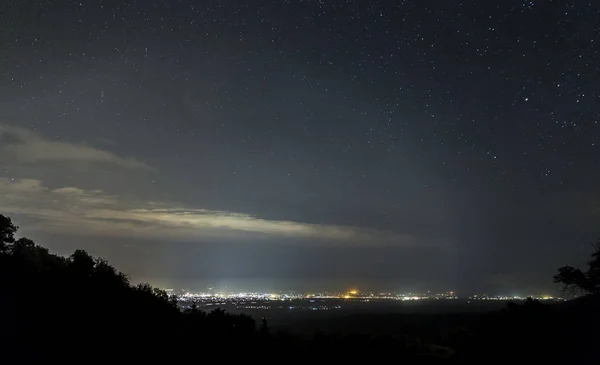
384 145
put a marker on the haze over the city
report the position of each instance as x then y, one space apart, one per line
306 145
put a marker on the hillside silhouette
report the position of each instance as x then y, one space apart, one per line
62 308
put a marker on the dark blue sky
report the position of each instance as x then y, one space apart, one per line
306 144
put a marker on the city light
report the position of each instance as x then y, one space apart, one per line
326 300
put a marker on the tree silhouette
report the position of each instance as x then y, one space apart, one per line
576 281
85 302
7 232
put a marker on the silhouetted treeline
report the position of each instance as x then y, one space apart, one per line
80 308
83 303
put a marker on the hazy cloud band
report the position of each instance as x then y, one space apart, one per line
74 210
22 145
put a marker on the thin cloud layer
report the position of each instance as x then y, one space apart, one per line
75 210
22 145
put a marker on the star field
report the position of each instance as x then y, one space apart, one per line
367 142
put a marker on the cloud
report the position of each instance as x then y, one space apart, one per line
209 221
79 211
26 146
92 197
24 186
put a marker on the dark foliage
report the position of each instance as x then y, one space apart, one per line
7 232
81 309
576 281
81 303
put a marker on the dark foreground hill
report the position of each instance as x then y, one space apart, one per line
80 309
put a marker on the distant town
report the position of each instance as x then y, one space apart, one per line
325 300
